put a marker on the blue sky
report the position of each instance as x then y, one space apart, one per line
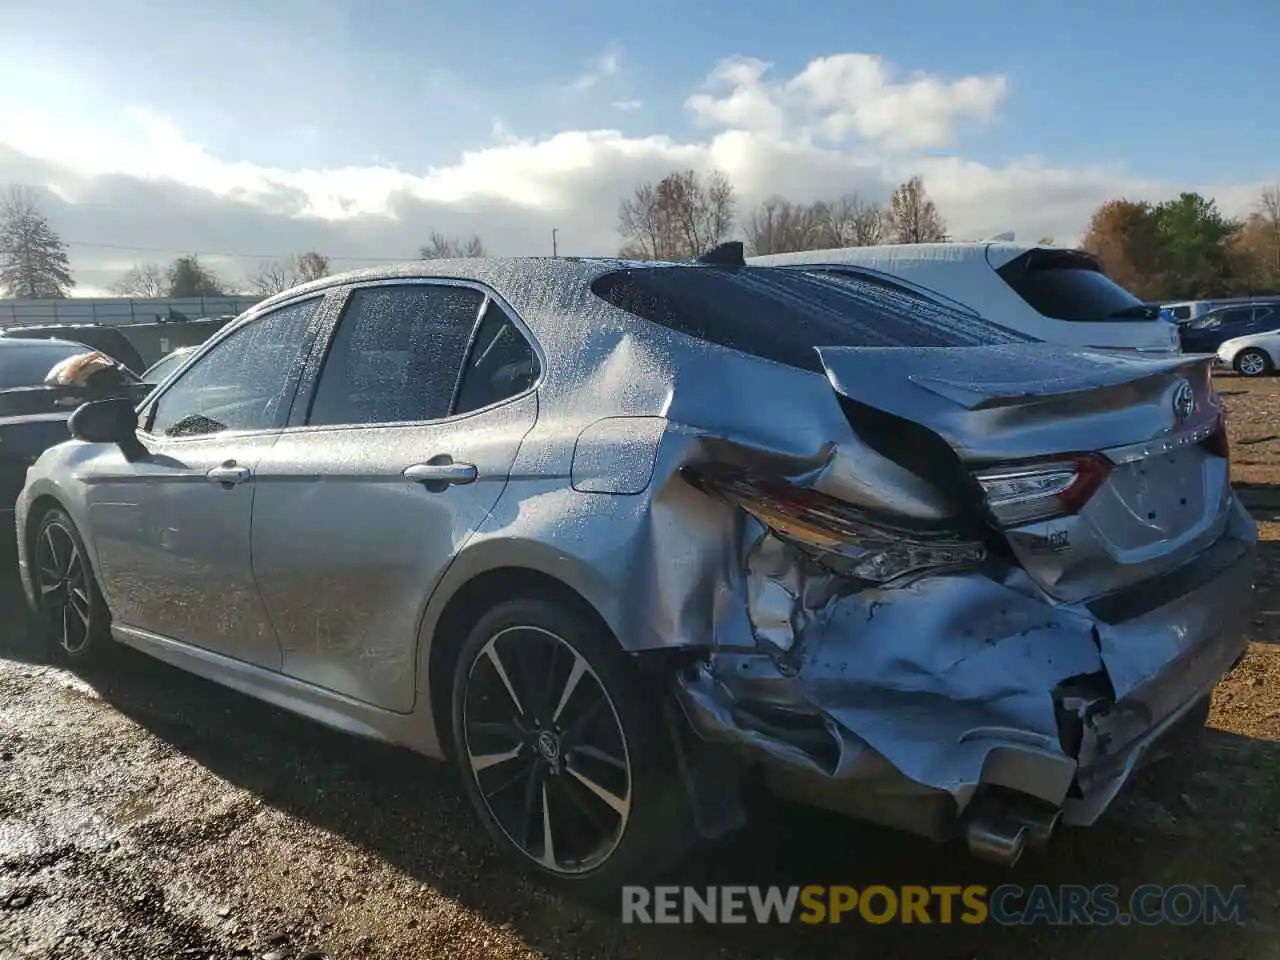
243 100
1136 81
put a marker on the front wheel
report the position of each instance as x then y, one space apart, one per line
562 751
1253 363
68 602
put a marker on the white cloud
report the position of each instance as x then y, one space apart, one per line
850 94
136 179
599 69
628 105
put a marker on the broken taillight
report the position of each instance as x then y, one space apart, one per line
1032 490
844 537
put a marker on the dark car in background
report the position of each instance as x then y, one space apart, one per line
1206 333
34 412
94 336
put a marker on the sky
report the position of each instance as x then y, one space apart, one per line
243 131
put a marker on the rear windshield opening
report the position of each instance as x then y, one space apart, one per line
1066 285
782 314
27 364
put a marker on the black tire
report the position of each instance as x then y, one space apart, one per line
1253 363
539 788
72 615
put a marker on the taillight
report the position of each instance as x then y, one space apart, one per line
846 538
1034 490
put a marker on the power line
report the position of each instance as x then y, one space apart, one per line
211 253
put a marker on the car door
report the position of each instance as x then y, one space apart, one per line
401 450
172 528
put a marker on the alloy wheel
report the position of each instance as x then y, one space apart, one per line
62 580
1253 364
546 749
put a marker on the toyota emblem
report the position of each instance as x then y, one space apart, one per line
1184 402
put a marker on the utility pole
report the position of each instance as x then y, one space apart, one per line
554 231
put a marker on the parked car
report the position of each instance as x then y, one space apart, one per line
616 536
1208 332
109 340
1051 294
35 407
1255 355
170 362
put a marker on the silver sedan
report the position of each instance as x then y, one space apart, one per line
618 536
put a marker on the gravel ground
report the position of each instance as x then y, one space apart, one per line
148 814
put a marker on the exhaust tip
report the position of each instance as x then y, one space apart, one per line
1001 842
1041 822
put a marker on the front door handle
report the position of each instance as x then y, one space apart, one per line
441 471
228 474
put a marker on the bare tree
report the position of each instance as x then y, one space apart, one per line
33 258
288 272
680 217
851 222
275 277
1265 224
641 223
780 226
912 216
442 247
145 280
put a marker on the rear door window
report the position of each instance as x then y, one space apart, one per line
1065 285
397 355
781 313
501 363
1266 318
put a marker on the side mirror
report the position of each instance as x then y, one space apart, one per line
107 421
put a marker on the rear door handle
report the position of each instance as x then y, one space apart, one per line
228 473
441 470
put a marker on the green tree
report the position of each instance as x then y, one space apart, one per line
188 277
1194 253
33 258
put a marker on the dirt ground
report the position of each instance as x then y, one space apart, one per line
148 814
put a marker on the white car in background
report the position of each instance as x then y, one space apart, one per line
1255 355
1053 294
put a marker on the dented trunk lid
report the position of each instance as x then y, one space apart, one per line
1165 498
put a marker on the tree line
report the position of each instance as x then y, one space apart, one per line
1186 249
683 215
1182 248
34 263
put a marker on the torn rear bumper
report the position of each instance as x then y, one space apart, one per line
901 705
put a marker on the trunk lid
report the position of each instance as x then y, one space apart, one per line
1100 469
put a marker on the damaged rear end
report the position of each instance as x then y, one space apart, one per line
1016 580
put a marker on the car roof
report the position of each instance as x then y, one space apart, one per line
496 271
25 343
996 254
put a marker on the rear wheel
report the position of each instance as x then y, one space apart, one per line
562 751
1253 363
69 606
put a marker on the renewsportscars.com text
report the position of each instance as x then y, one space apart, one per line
1005 905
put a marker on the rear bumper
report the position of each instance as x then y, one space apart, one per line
902 705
